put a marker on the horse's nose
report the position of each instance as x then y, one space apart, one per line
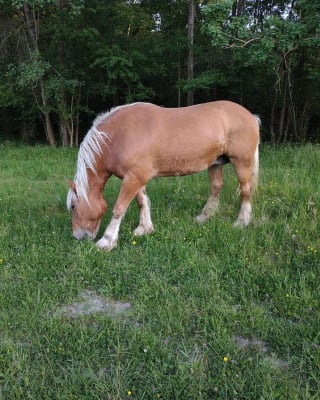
78 235
81 234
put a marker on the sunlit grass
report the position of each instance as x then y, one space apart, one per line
216 312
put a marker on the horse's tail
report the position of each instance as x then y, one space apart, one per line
255 161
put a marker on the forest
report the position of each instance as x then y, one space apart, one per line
64 61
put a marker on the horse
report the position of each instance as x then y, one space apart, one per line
140 141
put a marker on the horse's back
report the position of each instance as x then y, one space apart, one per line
183 140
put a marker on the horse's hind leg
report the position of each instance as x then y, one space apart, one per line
243 171
212 204
145 223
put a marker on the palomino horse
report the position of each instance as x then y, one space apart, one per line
141 141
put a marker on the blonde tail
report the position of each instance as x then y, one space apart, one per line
255 162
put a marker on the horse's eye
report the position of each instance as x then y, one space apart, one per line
73 207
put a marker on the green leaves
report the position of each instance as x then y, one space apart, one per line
119 71
282 40
31 71
216 17
205 81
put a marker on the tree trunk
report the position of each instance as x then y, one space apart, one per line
282 113
304 120
31 26
191 18
48 124
273 119
30 18
238 8
49 130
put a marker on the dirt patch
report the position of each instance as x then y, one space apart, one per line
247 344
92 303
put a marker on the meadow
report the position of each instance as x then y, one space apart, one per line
189 312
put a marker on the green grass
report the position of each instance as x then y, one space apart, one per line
217 312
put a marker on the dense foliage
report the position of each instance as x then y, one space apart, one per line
63 61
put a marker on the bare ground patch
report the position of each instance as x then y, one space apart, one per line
92 303
247 344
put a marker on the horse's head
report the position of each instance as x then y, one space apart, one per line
86 213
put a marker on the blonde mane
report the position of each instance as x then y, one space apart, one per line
90 146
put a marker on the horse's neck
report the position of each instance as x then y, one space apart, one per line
98 179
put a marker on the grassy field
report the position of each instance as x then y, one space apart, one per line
189 312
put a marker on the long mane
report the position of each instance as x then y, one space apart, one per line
89 148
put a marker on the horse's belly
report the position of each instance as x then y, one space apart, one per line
188 157
177 166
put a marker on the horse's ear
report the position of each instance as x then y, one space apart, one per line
72 186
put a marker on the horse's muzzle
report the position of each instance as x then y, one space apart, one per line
80 234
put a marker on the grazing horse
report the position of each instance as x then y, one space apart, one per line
140 141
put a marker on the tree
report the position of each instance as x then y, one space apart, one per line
191 18
280 39
34 68
32 71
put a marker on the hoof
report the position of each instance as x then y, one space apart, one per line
201 219
240 223
106 244
142 230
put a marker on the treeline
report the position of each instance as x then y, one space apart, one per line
64 61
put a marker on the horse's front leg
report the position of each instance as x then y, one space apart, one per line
110 237
129 188
145 223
